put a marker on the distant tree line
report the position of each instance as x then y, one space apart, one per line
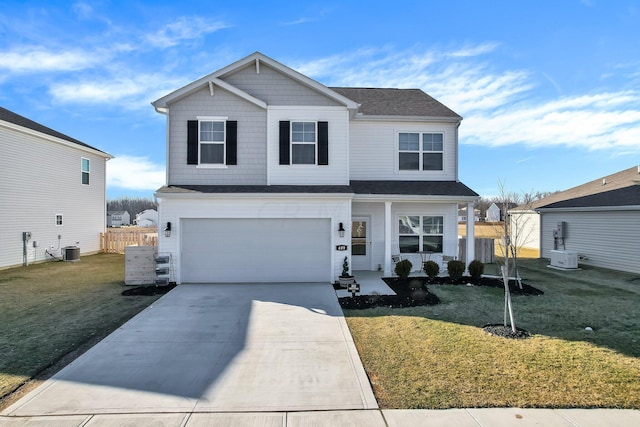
513 199
133 205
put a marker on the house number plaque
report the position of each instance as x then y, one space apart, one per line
341 247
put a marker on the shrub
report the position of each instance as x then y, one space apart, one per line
403 268
455 269
431 269
419 295
476 268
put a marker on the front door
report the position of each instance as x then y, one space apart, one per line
360 244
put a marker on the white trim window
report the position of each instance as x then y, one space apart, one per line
418 233
86 170
420 151
211 141
303 143
58 220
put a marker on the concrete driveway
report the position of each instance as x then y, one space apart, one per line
222 348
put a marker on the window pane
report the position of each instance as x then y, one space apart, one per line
409 224
303 154
358 247
432 225
432 161
432 243
303 132
85 178
297 126
212 131
409 244
212 153
409 141
85 165
409 161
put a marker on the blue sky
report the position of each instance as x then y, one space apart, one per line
549 89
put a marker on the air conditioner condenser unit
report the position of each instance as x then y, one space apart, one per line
564 259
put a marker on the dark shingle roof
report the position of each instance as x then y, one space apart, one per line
627 196
405 188
423 188
396 102
16 119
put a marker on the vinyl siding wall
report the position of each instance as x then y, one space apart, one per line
338 209
336 172
375 211
374 151
609 239
252 143
38 180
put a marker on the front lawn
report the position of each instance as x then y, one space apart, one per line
439 356
49 311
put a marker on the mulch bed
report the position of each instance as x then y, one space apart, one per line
148 290
413 292
506 332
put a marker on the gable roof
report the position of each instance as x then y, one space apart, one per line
396 102
18 120
619 198
607 183
254 59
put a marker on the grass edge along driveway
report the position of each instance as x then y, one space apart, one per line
52 312
438 357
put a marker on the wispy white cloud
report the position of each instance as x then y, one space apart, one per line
183 29
134 173
31 59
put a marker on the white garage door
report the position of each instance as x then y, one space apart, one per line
256 250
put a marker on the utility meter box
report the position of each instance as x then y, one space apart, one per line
561 230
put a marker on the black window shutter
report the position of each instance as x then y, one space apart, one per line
192 142
323 143
284 143
232 143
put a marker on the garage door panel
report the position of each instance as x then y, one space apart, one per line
255 250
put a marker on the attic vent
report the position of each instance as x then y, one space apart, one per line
604 181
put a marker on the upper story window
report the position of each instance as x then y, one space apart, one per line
58 219
303 143
85 171
420 151
212 142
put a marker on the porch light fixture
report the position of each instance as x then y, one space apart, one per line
167 230
341 230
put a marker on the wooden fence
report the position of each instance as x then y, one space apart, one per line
115 240
484 250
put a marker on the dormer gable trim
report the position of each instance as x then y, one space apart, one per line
256 59
234 90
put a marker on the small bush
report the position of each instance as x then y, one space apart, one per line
455 269
403 268
476 268
431 269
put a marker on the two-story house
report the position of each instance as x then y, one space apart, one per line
52 192
272 176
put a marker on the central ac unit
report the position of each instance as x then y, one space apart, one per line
564 259
71 253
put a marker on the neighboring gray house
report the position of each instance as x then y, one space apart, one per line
118 218
147 218
272 176
600 220
52 192
493 213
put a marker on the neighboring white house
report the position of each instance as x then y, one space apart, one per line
462 214
118 218
52 193
600 219
272 176
147 218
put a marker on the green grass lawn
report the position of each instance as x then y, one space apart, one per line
439 356
50 310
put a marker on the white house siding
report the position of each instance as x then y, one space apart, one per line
609 239
375 211
275 88
176 208
252 142
525 226
374 151
336 172
40 179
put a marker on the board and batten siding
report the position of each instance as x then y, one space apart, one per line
176 209
275 88
336 172
252 141
609 239
374 151
40 179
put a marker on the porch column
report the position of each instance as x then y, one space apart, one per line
387 239
471 238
